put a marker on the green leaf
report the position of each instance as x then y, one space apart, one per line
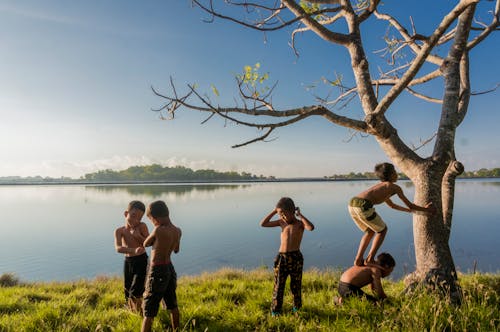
214 90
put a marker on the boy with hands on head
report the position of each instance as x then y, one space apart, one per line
289 260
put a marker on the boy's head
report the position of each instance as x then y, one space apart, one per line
136 205
286 204
286 209
157 210
135 211
387 262
386 172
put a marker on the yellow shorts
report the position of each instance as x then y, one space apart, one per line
366 218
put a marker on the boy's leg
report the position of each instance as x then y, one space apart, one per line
127 280
174 318
363 244
147 322
377 242
296 280
135 304
280 276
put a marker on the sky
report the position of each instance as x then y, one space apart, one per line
76 78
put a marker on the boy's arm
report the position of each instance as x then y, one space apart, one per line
266 222
178 245
118 243
396 206
428 208
150 239
376 284
307 224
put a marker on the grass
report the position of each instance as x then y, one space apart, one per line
237 300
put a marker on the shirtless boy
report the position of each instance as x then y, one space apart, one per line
363 213
162 279
128 241
289 261
356 277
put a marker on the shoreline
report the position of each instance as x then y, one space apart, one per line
196 182
174 182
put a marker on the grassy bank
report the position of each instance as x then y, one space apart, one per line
235 300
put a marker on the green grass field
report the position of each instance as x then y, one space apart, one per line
236 300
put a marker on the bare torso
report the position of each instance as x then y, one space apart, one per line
358 276
167 239
379 193
291 235
132 237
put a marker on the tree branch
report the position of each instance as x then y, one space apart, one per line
421 56
424 97
320 30
368 11
495 23
408 39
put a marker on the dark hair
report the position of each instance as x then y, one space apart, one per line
384 171
286 203
386 260
157 209
136 205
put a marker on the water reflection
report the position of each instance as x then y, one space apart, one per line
71 227
156 191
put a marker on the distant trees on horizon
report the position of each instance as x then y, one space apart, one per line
159 173
481 173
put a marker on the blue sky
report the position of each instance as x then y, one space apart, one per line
75 93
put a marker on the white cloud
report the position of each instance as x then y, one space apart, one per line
58 168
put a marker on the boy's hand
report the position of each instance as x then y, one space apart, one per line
140 250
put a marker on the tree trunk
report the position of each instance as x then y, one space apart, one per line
435 267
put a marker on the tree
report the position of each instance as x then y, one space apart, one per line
342 22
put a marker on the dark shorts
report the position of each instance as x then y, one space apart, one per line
134 272
161 285
347 290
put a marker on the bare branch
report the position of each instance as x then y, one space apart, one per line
260 138
424 97
495 23
424 79
368 11
423 143
486 91
406 36
319 29
264 24
325 2
422 56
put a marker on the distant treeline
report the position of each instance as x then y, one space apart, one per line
482 173
159 173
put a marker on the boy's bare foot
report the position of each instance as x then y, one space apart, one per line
370 262
359 262
337 300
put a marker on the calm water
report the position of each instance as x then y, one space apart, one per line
66 232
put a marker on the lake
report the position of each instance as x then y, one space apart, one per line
65 232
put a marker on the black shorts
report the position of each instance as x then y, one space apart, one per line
134 272
161 285
347 290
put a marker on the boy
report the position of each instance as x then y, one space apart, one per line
128 241
162 279
289 261
356 277
364 215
